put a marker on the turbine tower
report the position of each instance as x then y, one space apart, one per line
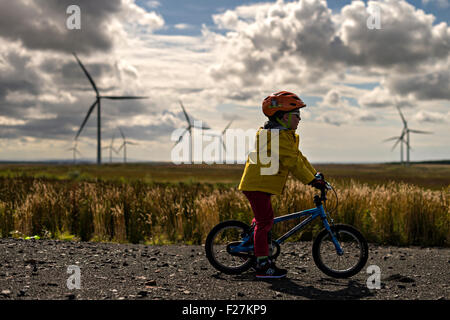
124 146
189 129
75 151
98 103
222 140
402 141
111 148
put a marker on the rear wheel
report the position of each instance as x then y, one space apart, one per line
348 264
219 244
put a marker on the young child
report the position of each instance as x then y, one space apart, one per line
283 110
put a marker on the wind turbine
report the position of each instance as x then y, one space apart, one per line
75 151
124 146
189 128
406 132
221 138
111 148
97 103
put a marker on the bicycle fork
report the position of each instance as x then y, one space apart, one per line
336 243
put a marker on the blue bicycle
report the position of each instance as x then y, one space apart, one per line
339 250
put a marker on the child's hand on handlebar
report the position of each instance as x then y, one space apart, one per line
320 175
318 183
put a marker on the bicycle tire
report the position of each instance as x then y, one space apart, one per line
210 252
338 229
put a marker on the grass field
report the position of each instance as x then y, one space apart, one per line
430 176
165 203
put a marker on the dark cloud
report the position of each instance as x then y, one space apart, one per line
19 79
41 24
232 116
70 75
429 86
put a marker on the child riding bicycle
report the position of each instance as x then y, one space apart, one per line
283 110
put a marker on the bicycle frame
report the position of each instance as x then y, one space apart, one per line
312 215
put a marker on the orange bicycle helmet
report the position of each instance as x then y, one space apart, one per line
281 101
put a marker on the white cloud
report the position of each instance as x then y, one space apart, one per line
334 109
182 26
153 4
332 98
432 117
440 3
304 43
7 121
136 15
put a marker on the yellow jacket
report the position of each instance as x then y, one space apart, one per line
290 159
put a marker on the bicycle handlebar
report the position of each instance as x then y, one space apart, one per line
323 192
323 195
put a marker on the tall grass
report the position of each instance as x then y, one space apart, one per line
398 214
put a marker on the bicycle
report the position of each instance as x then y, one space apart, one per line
229 245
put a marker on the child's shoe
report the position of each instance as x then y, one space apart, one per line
266 269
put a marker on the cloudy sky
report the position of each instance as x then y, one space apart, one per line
221 59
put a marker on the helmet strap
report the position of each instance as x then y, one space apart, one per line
284 124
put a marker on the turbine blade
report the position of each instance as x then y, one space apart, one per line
396 144
401 115
392 138
419 131
123 97
185 113
226 128
87 74
86 119
121 133
181 137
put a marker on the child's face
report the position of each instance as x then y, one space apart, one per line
295 119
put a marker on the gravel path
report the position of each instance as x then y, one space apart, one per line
38 269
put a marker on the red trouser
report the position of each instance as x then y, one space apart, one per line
262 210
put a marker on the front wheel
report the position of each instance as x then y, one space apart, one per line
348 264
220 243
